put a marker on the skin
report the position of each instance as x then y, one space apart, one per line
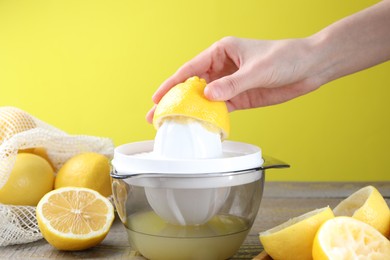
248 73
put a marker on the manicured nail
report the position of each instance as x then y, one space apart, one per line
211 93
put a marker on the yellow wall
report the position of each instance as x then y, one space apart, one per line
90 67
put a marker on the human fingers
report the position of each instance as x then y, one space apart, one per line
227 87
261 97
198 66
218 60
150 114
259 66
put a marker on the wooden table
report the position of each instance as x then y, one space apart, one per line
281 201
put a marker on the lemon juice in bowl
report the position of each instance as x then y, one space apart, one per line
219 238
159 236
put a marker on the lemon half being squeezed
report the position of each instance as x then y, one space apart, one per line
187 100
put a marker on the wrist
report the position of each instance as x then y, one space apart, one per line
352 44
324 57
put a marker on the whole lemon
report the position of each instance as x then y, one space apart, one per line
40 151
87 170
14 121
30 179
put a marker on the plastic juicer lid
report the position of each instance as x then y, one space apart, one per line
133 158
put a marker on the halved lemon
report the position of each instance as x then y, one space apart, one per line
294 238
186 100
349 238
367 205
73 218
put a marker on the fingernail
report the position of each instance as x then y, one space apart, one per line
211 93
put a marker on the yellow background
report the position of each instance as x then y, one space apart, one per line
91 67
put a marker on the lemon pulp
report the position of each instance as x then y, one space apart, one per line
73 218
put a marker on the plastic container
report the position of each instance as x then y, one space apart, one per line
188 209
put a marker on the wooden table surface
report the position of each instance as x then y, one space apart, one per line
281 201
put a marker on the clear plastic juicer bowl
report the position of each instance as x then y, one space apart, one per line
188 209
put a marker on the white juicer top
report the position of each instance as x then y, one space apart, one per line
137 159
193 169
187 191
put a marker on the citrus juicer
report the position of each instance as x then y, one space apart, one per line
188 194
186 139
214 200
187 191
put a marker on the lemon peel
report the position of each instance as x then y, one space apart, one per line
293 239
187 100
369 206
88 170
30 179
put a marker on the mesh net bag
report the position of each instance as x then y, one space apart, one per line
19 131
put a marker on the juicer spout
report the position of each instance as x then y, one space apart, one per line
273 163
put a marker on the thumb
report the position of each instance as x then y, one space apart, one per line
227 87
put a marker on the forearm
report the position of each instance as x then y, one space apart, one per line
354 43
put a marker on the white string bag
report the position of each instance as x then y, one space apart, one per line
19 130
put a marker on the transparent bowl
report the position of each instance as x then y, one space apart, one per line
188 209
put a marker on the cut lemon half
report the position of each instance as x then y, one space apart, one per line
186 100
369 206
294 238
73 218
348 238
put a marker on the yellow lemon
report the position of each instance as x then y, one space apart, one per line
187 100
74 218
14 121
349 238
41 151
89 170
294 238
31 178
367 205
